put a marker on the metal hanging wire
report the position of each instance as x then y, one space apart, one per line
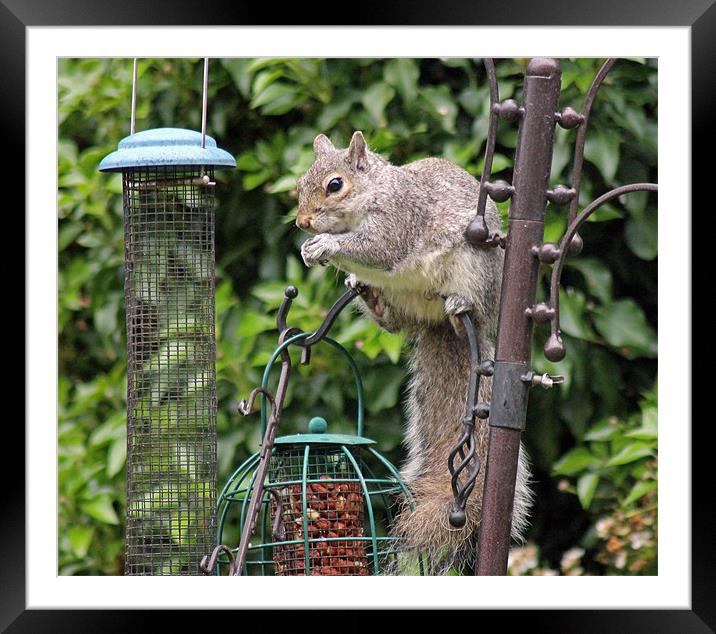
204 101
133 119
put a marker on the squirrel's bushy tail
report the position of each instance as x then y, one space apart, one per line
425 530
436 405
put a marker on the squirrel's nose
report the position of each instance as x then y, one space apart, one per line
304 223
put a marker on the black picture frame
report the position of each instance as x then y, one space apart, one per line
699 15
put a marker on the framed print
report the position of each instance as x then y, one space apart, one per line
148 351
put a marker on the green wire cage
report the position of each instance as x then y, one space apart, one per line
326 504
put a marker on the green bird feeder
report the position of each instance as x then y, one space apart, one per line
325 503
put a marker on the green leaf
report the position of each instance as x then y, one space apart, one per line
265 78
586 487
441 104
248 163
624 326
602 149
402 73
604 431
67 234
631 453
638 490
375 99
80 538
597 275
383 384
392 345
574 461
649 427
116 456
499 162
100 508
253 180
642 236
239 69
561 154
105 318
252 324
271 93
334 112
271 293
284 184
572 315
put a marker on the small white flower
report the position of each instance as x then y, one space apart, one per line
572 557
620 560
604 526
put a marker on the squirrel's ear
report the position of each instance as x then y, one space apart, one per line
358 151
322 144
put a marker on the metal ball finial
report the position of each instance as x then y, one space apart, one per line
575 245
554 349
457 518
499 191
477 231
509 110
542 67
317 425
569 118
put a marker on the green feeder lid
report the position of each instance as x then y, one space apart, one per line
317 428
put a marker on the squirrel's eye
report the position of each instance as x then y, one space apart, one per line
334 185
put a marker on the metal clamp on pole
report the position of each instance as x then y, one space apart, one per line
509 395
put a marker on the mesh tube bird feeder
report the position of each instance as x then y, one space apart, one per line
168 200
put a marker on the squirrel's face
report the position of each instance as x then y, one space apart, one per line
327 191
322 203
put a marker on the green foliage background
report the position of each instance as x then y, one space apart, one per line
592 441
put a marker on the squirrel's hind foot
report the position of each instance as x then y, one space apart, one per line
372 304
454 306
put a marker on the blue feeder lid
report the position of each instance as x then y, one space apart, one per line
317 427
165 146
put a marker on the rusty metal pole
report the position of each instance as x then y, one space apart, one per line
508 408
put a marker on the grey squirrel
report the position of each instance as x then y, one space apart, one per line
399 233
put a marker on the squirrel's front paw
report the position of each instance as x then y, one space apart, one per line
319 249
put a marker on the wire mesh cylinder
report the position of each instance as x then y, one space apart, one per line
171 378
317 513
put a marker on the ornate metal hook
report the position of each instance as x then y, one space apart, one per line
290 294
208 562
477 233
571 243
568 119
465 447
238 562
555 349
